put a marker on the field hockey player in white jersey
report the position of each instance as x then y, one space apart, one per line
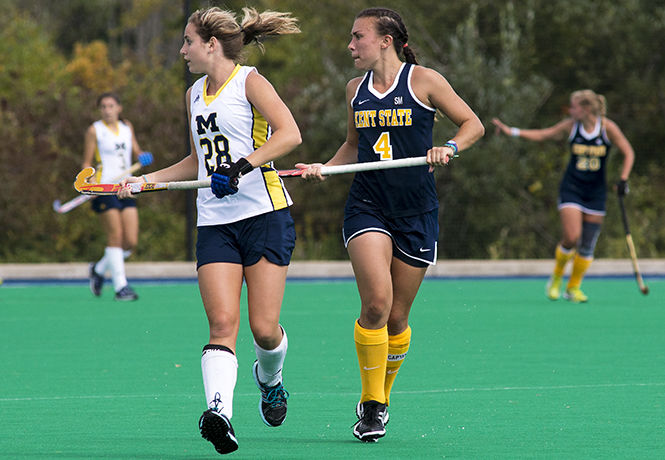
238 126
111 143
391 216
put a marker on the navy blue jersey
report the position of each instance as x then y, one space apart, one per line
393 125
585 175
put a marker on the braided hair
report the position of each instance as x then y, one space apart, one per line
389 22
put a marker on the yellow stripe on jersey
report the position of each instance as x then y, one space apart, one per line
209 98
259 128
274 187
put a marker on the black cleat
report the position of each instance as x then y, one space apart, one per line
370 427
272 405
126 294
96 281
216 428
359 414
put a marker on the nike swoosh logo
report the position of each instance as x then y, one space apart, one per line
363 101
424 250
370 368
391 372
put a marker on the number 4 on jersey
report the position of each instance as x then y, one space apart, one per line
382 147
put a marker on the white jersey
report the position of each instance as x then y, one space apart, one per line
114 150
225 128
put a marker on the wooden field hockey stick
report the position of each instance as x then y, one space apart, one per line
82 186
631 249
62 208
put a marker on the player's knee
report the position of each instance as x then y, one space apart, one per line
375 313
397 322
221 328
587 243
267 336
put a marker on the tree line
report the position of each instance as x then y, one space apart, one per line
518 60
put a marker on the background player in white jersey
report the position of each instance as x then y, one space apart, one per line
582 192
238 126
110 145
391 216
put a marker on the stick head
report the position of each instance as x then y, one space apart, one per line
644 289
83 186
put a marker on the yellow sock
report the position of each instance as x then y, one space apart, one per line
398 346
561 258
580 266
372 350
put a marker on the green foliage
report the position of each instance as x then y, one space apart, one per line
517 60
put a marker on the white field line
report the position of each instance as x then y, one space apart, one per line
415 392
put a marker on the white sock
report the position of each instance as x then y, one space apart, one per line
117 267
126 253
220 371
271 361
102 265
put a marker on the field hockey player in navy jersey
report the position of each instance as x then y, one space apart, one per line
391 216
583 190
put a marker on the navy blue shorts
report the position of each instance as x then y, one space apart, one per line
414 237
271 235
105 202
588 199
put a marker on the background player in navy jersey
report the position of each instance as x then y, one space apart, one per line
238 126
110 145
391 216
582 191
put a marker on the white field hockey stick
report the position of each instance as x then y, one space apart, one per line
82 186
79 200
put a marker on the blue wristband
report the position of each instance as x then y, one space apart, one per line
453 145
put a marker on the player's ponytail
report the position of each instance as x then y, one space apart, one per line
221 24
257 25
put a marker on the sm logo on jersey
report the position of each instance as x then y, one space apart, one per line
120 146
209 123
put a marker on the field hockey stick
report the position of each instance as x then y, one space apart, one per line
82 186
631 248
61 208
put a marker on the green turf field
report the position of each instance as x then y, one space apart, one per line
495 370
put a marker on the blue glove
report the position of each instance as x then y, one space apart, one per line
224 181
145 158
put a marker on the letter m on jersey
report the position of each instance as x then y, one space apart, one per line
203 123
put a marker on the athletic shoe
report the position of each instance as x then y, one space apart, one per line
575 295
553 288
216 428
370 427
96 281
272 405
359 413
126 294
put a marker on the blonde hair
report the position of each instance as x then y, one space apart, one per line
589 98
223 25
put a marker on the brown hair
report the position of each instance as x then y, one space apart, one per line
589 98
221 24
103 96
389 22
